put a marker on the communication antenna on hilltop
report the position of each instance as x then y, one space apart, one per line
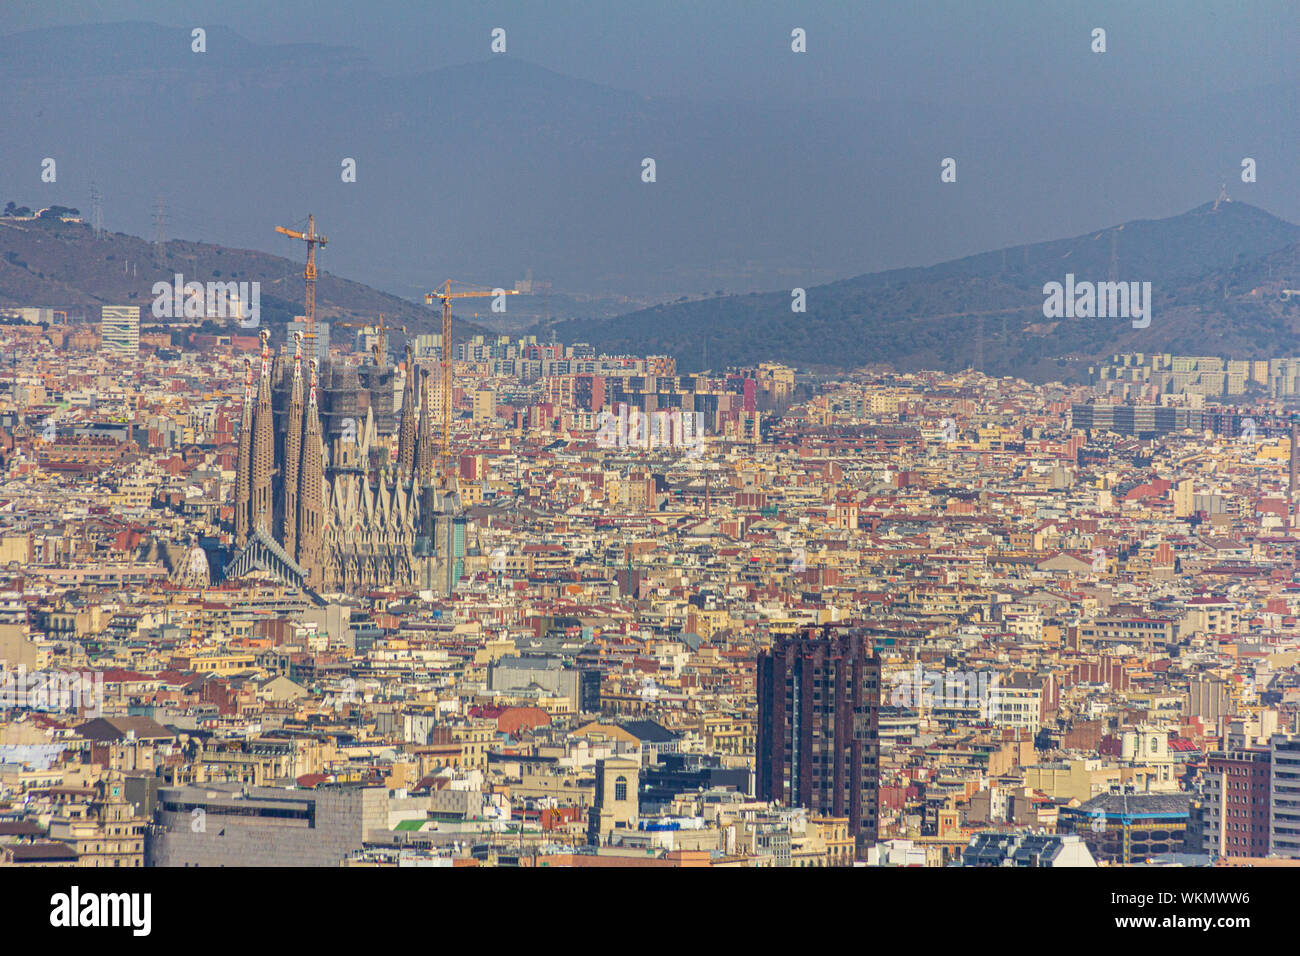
1114 255
96 211
1223 196
159 222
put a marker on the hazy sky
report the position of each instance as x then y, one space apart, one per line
1173 50
776 169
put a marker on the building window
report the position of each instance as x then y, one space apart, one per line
620 788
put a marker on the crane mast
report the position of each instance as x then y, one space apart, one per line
445 294
380 349
309 274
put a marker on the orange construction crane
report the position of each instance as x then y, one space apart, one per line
444 437
309 274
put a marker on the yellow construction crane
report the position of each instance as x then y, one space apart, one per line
309 274
446 295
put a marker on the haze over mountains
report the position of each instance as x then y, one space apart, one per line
1217 277
484 170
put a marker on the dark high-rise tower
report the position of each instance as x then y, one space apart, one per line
1292 468
243 464
818 716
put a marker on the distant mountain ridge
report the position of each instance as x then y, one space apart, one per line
1216 270
52 264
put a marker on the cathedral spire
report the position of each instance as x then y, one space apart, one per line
263 453
311 478
293 451
423 470
406 436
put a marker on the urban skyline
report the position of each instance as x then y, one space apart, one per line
792 473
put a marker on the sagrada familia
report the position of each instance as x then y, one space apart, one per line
350 521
